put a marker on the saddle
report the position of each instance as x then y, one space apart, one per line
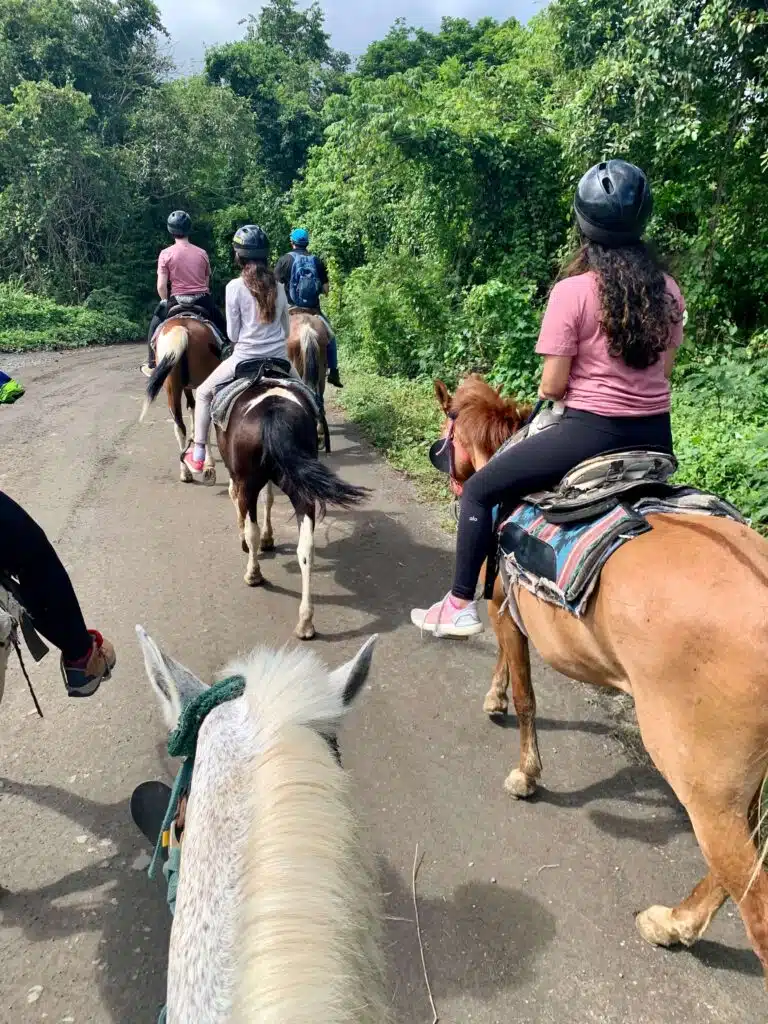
555 543
255 370
187 304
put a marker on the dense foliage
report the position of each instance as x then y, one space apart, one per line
435 177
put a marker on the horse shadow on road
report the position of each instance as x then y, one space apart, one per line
111 897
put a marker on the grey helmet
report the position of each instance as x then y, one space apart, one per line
613 203
251 242
179 224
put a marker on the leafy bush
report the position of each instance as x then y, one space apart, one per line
31 322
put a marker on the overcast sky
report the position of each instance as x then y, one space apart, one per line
195 24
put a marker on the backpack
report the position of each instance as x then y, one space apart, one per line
305 284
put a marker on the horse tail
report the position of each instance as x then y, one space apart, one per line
171 347
309 342
290 447
760 807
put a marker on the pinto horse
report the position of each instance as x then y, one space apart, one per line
308 352
277 915
679 621
271 440
187 353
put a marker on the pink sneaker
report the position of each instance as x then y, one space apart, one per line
189 460
445 619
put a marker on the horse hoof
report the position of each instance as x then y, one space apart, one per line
305 632
185 476
209 476
657 926
267 545
519 785
495 705
255 580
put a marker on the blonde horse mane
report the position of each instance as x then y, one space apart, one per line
309 933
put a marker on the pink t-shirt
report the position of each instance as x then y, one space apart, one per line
599 382
187 268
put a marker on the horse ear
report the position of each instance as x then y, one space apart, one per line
443 396
349 680
174 685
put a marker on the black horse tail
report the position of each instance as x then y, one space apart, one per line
289 446
174 344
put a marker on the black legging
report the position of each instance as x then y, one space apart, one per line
45 588
161 312
538 462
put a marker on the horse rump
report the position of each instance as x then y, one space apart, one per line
289 446
174 347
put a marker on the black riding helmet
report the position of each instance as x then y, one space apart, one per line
613 203
179 224
251 242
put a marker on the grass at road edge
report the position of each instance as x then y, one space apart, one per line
398 416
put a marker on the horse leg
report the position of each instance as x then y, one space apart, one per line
687 922
523 780
252 536
240 519
496 702
716 782
174 391
190 397
305 516
267 536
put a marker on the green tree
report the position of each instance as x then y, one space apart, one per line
285 68
63 203
106 49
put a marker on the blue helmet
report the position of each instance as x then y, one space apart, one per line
300 237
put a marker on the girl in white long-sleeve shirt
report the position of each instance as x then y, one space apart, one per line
258 325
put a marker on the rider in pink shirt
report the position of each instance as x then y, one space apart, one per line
608 338
183 271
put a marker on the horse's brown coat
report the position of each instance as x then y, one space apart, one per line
680 621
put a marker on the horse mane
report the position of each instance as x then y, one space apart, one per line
310 942
487 420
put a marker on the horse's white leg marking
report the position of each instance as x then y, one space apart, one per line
268 537
306 555
240 520
209 463
252 535
180 437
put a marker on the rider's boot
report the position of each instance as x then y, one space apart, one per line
335 379
84 676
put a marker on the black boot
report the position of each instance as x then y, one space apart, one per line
335 379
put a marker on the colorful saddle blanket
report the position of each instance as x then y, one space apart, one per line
561 562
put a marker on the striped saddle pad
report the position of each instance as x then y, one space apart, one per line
561 562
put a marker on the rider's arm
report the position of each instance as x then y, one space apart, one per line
233 312
163 277
322 273
554 377
559 339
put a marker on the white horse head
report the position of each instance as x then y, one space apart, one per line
277 915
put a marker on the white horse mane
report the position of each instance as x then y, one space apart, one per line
309 934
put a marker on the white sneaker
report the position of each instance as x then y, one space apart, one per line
146 369
443 620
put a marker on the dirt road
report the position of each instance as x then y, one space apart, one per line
527 908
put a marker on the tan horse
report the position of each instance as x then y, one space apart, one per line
308 353
680 622
187 353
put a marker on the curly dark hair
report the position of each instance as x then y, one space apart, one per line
637 311
260 282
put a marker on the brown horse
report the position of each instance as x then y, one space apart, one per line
680 622
271 440
187 353
308 353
